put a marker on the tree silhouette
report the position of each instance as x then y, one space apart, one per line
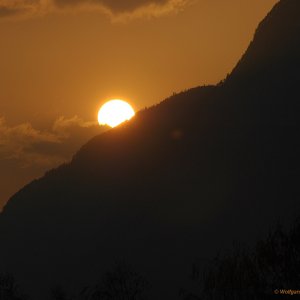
58 293
9 290
273 264
122 283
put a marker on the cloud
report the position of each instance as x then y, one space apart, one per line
117 7
27 152
7 11
30 147
10 8
16 144
114 8
15 140
64 126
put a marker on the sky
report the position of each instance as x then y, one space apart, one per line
60 60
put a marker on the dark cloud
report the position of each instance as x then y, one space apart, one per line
20 8
114 8
8 12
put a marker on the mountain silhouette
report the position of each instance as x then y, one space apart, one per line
176 184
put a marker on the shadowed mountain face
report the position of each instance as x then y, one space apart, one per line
177 184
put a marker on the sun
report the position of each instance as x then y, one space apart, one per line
115 112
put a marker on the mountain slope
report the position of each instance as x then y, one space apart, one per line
177 183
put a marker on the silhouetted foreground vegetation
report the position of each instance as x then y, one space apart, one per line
9 289
273 265
122 283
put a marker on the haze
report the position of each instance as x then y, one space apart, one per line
58 66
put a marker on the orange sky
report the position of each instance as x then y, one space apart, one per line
66 61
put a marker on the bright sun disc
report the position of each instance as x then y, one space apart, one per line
115 112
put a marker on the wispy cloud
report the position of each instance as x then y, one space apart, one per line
64 126
28 146
16 141
116 10
21 8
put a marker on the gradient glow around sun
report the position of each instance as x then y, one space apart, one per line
115 112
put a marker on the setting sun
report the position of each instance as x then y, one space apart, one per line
115 112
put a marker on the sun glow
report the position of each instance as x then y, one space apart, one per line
115 112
